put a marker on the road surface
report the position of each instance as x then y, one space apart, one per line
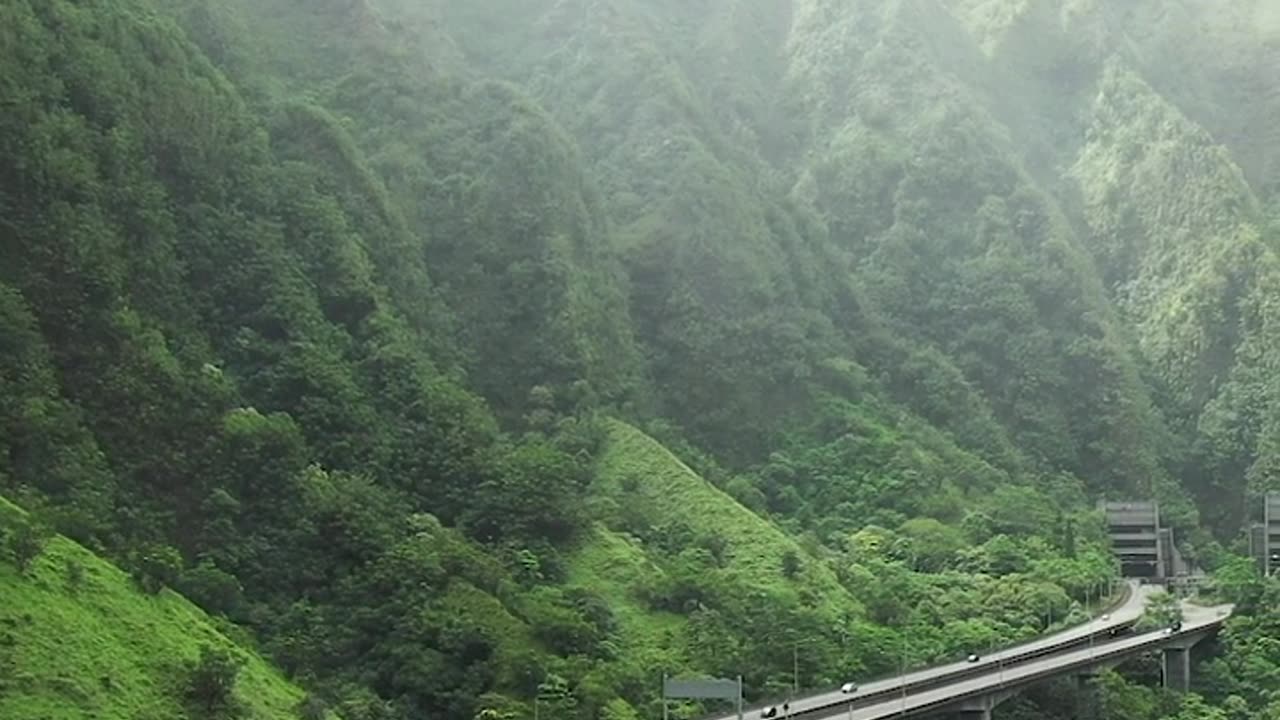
918 680
1196 620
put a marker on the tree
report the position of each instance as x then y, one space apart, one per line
1119 699
534 496
211 588
25 544
790 564
494 714
619 709
364 704
559 624
157 567
555 697
1163 609
211 681
75 575
1005 555
1239 582
1069 537
935 545
1195 708
312 707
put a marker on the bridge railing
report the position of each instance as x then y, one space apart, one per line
917 680
1020 675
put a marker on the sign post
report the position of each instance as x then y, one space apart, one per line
665 698
698 689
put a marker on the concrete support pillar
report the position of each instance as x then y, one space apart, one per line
1177 668
984 714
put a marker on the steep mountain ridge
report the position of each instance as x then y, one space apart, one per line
956 261
344 300
222 345
1023 86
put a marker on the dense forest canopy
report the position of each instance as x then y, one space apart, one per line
477 358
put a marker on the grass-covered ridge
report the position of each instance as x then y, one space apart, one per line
650 484
326 301
98 647
684 567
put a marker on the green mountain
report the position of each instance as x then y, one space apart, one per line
482 358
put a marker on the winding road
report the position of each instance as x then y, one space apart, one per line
1075 650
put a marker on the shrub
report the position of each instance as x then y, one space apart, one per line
157 567
211 682
25 544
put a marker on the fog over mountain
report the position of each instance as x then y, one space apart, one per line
473 359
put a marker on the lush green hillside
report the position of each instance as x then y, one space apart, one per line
485 357
647 484
82 640
695 578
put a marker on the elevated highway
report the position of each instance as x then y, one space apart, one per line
976 695
973 689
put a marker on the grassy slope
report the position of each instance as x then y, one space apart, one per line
638 472
123 658
614 565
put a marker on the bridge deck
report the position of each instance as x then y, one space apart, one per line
1126 614
1199 622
